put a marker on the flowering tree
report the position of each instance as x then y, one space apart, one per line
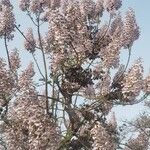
140 130
81 79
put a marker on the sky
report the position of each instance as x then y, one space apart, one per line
141 47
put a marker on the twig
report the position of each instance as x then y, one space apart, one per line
7 52
45 67
37 65
25 36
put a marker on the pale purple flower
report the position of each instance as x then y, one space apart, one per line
24 4
116 27
30 43
56 62
131 84
130 29
102 139
2 102
146 87
7 21
6 3
140 142
30 127
104 84
110 54
87 7
55 4
14 60
26 77
6 80
112 5
36 6
99 8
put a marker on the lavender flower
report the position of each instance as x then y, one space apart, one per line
30 43
132 81
130 29
7 21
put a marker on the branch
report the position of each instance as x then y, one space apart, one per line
52 98
37 65
133 102
25 36
28 13
45 67
7 52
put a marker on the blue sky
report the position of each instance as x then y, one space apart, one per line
141 47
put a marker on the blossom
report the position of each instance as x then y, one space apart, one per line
26 76
14 60
6 3
6 80
130 29
56 62
110 54
24 4
55 4
82 52
87 7
131 84
112 5
104 84
2 102
102 138
7 21
30 43
36 6
30 127
116 27
99 8
140 142
146 87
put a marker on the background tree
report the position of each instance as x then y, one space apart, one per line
65 103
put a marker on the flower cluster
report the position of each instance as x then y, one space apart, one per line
112 5
30 43
24 4
38 6
146 87
131 84
30 127
102 138
104 84
14 60
130 29
141 142
6 81
7 20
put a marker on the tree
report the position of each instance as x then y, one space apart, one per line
64 104
140 130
